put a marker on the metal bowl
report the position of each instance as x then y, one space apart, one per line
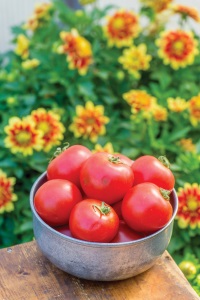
100 261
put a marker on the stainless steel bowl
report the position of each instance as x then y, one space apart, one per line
100 261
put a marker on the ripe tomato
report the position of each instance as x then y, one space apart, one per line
105 177
148 168
126 234
67 164
64 230
94 221
144 208
117 206
55 199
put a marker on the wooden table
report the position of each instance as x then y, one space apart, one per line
25 274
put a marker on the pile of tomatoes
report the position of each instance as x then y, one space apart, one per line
99 197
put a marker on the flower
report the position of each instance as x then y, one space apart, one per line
7 197
156 5
108 147
188 214
30 64
177 104
48 123
140 101
22 136
177 48
186 11
187 145
78 50
121 28
32 23
40 13
89 121
135 59
22 48
159 113
42 9
194 109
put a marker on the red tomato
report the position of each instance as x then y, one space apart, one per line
103 176
126 234
148 168
94 221
144 209
117 206
64 230
67 165
55 199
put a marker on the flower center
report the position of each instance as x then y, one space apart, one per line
118 23
90 121
23 137
44 127
178 47
192 204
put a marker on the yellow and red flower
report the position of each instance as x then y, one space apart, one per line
159 113
177 104
40 13
89 121
156 5
7 197
22 48
108 147
194 109
42 10
186 11
48 123
135 59
140 101
188 214
187 145
177 48
77 49
121 28
22 136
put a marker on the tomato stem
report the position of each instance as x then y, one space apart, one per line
164 161
165 194
59 150
114 159
104 209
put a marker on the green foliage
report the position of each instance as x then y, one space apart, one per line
52 85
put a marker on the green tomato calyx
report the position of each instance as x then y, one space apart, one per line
115 159
164 161
165 194
104 209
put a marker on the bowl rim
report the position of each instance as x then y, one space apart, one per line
98 244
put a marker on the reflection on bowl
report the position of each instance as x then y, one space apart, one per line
100 261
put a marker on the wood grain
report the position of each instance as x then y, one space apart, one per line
25 274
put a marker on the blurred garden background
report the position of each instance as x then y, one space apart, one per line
119 79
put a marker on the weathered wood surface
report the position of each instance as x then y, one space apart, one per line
25 274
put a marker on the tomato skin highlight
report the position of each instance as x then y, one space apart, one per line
55 199
126 234
67 164
144 209
105 180
148 168
88 223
